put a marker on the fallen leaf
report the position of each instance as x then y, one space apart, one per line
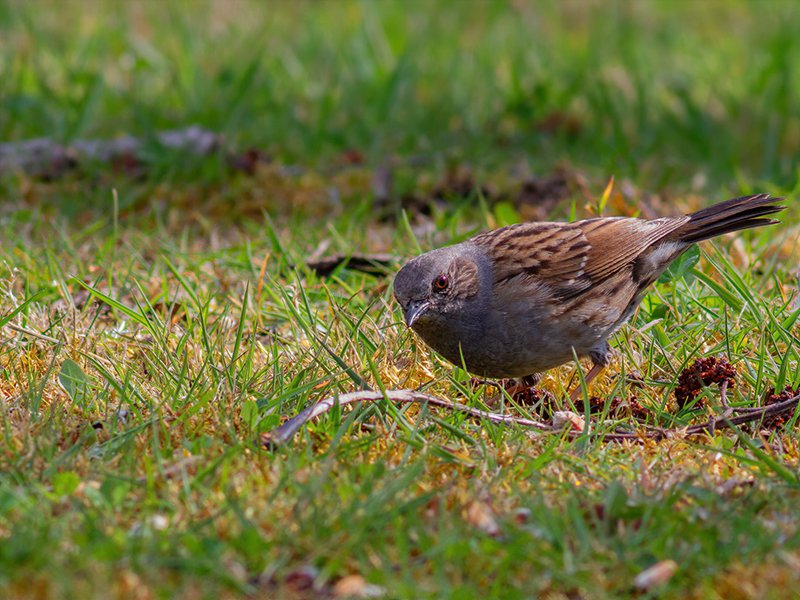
355 586
481 516
657 574
74 381
301 579
567 418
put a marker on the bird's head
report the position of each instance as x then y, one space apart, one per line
440 284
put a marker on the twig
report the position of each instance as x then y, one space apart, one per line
723 398
747 409
32 333
287 430
374 264
772 410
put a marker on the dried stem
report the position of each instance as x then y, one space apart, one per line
723 398
287 430
32 333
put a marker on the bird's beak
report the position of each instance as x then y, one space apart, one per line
415 310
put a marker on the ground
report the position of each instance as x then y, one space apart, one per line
162 310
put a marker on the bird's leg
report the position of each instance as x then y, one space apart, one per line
593 372
600 359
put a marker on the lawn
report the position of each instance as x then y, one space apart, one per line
163 311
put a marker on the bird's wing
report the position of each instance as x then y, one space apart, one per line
617 241
572 257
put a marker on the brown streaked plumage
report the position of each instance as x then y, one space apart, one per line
519 300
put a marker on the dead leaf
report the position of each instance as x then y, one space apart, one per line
301 579
355 586
567 418
481 516
655 575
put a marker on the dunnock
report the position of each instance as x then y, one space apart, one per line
519 300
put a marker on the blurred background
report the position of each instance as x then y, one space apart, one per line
202 206
672 95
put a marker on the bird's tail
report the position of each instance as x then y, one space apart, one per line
731 215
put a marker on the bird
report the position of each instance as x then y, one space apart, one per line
516 301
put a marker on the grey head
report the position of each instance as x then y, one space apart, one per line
445 285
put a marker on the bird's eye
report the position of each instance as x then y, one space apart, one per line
440 283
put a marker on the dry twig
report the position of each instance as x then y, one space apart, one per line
287 430
32 333
374 264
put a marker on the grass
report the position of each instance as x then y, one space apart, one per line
152 329
652 92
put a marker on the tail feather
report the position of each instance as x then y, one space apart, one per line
731 215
